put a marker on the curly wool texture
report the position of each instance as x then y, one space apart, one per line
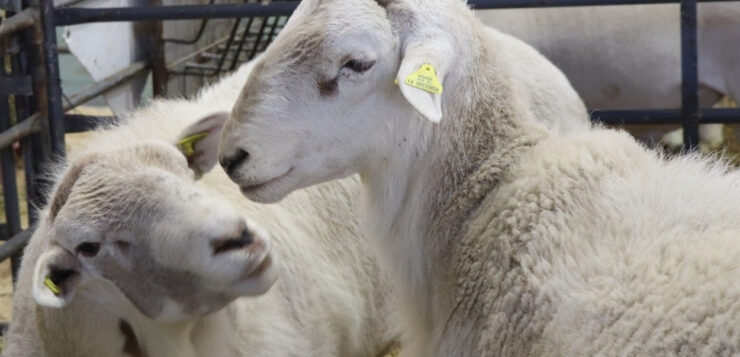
590 245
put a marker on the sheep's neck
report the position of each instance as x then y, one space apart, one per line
409 194
210 334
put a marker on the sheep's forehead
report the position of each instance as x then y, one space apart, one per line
111 197
323 25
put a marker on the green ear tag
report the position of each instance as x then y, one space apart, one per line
186 144
52 286
425 78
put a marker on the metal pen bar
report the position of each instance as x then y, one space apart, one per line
19 21
655 116
689 75
510 4
104 85
21 130
245 35
76 123
39 142
73 16
24 108
53 82
32 160
232 35
16 84
10 184
32 124
664 116
10 5
66 3
15 244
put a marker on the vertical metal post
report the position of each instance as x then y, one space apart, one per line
38 146
53 82
689 75
154 47
10 186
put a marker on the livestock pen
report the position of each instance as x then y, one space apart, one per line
34 111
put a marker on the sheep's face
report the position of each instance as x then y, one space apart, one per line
316 102
333 93
136 218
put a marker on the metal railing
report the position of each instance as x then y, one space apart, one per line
42 132
689 116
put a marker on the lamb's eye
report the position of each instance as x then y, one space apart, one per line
358 66
88 249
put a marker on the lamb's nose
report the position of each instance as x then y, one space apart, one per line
230 162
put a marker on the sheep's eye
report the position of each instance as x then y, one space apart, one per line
88 249
123 245
358 66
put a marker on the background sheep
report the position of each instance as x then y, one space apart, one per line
145 261
628 57
506 238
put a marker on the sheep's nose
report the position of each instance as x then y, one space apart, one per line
230 162
225 245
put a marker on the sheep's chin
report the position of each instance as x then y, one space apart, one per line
270 191
260 280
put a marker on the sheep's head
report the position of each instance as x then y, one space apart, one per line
328 94
135 217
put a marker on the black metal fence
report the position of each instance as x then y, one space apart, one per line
32 84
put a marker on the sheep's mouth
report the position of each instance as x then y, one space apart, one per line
266 264
251 188
225 245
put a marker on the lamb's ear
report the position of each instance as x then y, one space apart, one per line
199 142
55 277
426 61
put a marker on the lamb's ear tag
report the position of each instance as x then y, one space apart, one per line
52 286
186 144
425 78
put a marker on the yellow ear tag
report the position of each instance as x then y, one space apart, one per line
186 144
425 78
53 287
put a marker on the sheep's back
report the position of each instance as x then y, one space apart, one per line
592 244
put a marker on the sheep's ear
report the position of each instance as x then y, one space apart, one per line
199 142
426 60
55 277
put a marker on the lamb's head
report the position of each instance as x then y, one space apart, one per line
328 95
135 217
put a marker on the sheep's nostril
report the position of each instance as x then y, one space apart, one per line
230 162
225 245
246 237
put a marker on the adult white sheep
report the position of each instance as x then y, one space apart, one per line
629 57
506 238
135 258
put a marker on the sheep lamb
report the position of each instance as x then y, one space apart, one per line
134 257
505 236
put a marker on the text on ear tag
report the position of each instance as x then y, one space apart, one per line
186 144
52 286
425 78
